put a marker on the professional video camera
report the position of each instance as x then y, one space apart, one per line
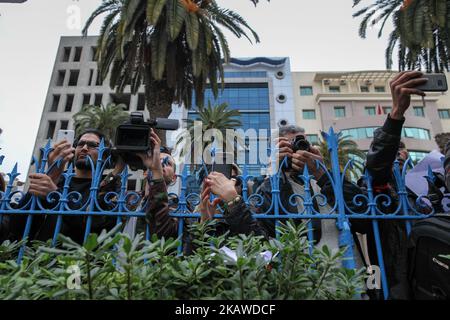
134 136
298 143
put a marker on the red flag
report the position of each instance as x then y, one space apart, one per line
379 110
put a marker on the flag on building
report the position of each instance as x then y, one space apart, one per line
379 110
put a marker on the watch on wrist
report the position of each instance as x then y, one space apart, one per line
234 202
110 177
151 181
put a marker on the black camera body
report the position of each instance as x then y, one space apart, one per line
298 143
133 137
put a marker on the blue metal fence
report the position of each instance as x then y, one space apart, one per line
121 203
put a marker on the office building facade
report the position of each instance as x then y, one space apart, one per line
356 103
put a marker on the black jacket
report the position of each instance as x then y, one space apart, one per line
447 165
380 158
43 226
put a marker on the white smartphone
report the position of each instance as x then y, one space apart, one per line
69 135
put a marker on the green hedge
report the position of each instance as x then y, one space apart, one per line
113 266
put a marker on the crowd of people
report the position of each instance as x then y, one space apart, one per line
220 194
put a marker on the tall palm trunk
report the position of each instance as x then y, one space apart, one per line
159 100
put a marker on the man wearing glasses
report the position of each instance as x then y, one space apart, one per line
41 185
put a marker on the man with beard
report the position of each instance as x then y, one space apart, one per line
41 185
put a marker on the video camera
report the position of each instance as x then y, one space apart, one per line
134 137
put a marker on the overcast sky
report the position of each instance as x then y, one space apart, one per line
317 35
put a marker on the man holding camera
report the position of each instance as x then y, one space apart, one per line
41 185
293 146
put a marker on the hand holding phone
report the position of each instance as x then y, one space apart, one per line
68 135
63 149
437 82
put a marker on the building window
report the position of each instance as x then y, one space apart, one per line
131 185
66 54
93 53
91 76
55 103
313 138
51 129
359 133
309 114
141 102
86 99
69 103
419 112
306 91
78 51
367 132
60 78
73 79
249 74
334 89
417 156
64 124
339 112
364 89
370 111
98 99
241 96
281 98
387 110
444 113
98 81
380 89
416 133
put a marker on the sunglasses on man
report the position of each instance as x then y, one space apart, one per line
89 144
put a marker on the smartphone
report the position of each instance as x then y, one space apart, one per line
437 82
225 169
69 135
222 166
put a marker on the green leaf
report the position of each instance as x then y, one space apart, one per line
156 12
91 242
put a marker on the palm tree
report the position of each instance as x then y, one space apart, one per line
421 31
173 47
217 117
105 119
347 150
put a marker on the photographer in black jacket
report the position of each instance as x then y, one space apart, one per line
384 150
41 185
